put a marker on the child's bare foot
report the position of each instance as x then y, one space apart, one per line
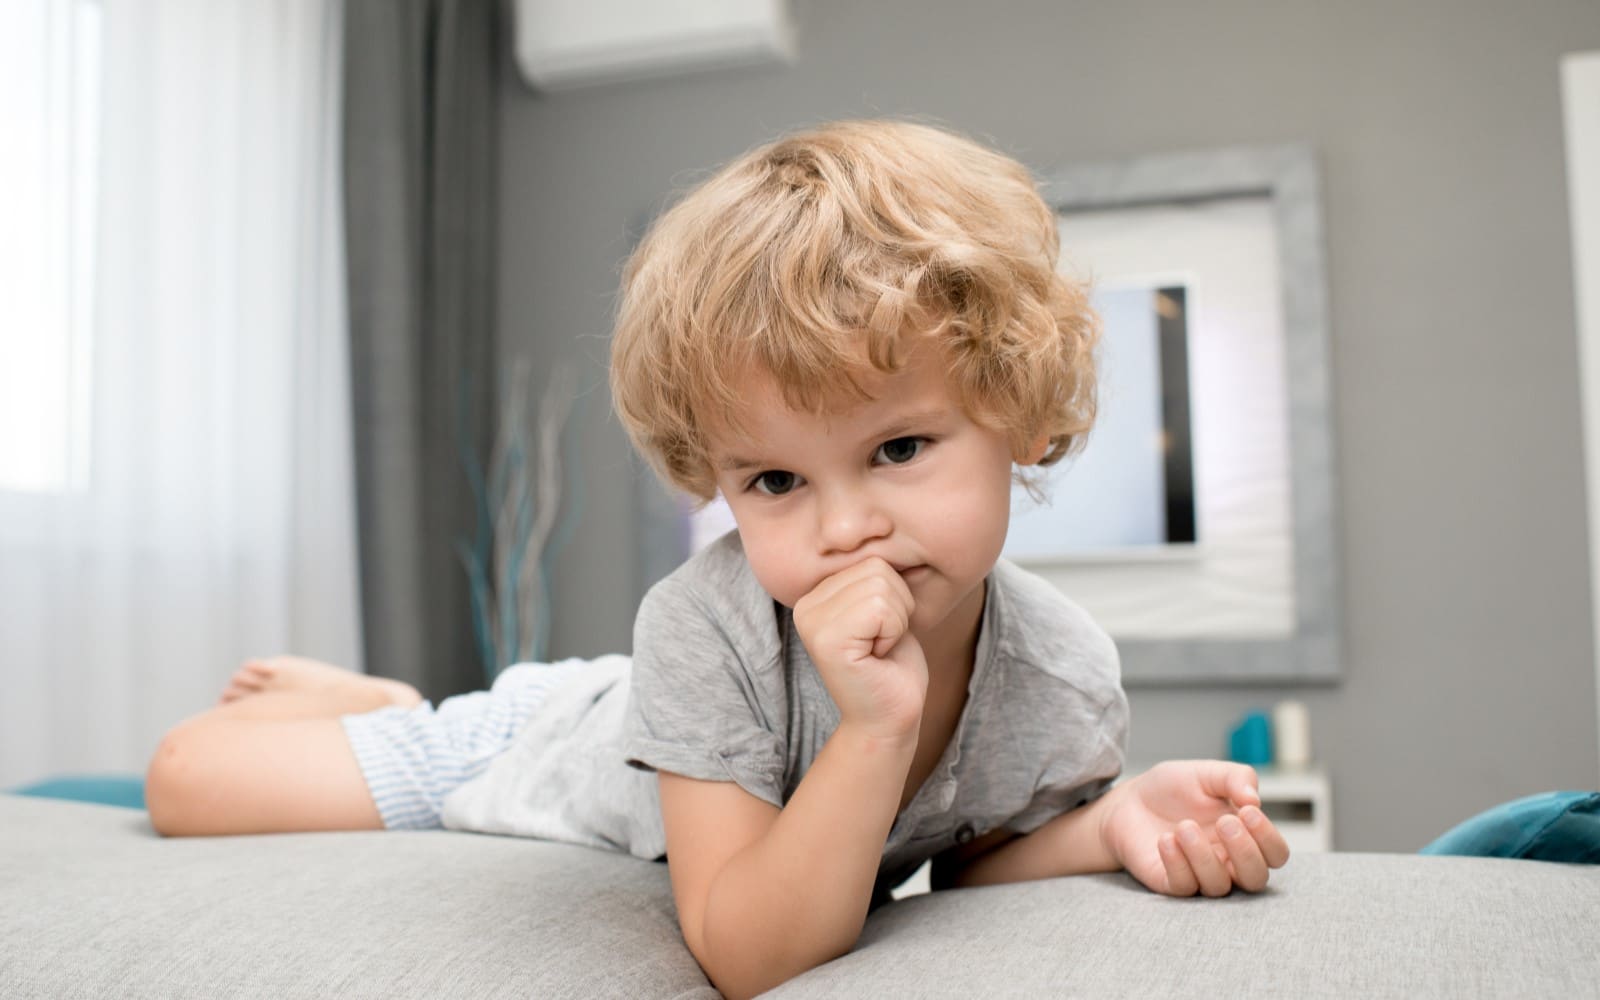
358 692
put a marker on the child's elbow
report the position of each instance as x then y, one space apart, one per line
740 967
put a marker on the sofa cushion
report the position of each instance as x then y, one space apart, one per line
92 903
126 790
1555 826
1330 925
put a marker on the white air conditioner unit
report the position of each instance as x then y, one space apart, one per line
571 43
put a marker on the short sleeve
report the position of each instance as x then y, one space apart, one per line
707 699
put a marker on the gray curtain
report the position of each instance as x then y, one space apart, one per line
421 84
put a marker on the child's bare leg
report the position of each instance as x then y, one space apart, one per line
272 755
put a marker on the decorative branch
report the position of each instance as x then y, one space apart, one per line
516 511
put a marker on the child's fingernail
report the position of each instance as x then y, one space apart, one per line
1229 826
1189 834
1251 815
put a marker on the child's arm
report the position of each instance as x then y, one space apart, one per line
1180 828
763 894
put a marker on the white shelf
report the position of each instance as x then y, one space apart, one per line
1300 803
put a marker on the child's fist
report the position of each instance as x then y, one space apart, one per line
856 626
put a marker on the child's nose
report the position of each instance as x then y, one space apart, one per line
848 519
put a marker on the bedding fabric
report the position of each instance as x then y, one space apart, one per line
92 903
1555 826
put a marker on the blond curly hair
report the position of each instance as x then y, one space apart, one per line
811 257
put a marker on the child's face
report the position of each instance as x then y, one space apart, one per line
906 476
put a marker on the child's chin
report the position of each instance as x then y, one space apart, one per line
928 617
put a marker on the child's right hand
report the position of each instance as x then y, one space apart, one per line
856 626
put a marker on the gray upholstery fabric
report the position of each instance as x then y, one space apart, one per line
94 904
1332 925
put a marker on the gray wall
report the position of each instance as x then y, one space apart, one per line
1469 677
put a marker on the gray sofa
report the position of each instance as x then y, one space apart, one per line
93 904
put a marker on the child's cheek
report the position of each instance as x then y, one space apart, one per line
776 574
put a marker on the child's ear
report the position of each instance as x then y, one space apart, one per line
1040 445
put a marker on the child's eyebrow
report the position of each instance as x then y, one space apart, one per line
906 422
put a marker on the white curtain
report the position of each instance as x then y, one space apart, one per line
201 508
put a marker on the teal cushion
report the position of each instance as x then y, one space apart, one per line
1555 826
105 789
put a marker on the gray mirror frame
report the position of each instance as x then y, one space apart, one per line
1288 176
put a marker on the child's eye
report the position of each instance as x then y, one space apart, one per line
901 450
774 483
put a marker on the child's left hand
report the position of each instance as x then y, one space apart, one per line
1193 826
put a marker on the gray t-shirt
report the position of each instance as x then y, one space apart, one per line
724 690
721 688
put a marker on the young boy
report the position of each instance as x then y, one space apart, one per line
855 335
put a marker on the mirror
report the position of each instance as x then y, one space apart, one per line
1221 445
